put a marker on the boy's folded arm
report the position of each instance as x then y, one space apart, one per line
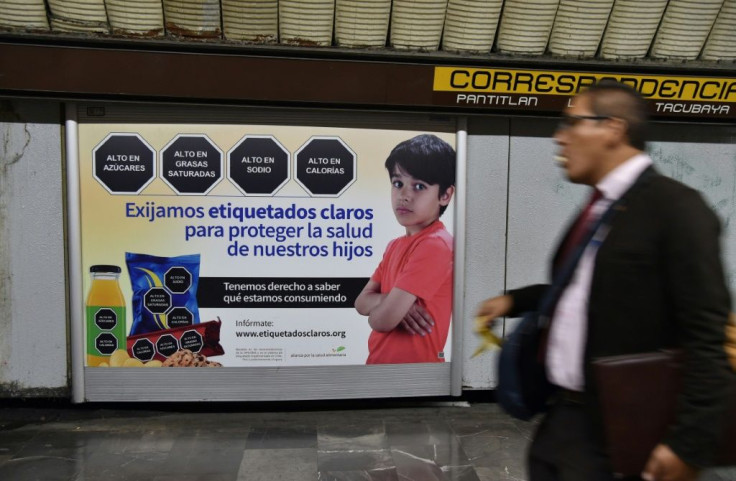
391 310
417 320
369 298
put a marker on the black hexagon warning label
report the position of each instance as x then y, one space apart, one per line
143 350
325 166
178 317
157 300
106 343
124 163
191 164
178 280
258 165
106 319
167 345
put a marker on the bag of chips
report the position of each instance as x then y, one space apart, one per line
164 291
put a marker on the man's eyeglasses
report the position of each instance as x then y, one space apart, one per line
568 121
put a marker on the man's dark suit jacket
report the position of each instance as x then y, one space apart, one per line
658 282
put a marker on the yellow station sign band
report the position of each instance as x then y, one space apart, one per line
540 82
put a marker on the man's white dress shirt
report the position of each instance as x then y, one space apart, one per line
569 328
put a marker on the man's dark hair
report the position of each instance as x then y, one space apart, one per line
425 157
614 99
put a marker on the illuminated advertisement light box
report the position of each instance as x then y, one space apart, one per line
247 245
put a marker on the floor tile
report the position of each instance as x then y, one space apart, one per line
440 454
281 438
13 441
193 477
435 462
215 459
116 442
35 468
278 464
415 442
60 444
407 433
370 435
719 474
131 464
419 470
494 474
441 433
378 474
354 460
460 473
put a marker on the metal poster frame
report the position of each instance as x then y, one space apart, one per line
238 383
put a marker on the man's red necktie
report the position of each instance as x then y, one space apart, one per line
572 241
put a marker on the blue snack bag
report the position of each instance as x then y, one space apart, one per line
164 291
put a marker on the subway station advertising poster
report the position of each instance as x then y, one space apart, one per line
247 245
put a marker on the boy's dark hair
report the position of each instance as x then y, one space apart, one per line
427 158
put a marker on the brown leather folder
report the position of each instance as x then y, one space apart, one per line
638 396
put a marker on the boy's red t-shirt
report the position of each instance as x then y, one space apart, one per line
422 265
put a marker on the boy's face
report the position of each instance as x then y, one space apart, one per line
416 203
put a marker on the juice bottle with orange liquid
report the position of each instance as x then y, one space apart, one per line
105 312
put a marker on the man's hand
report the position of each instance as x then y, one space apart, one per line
495 307
417 320
485 318
665 465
